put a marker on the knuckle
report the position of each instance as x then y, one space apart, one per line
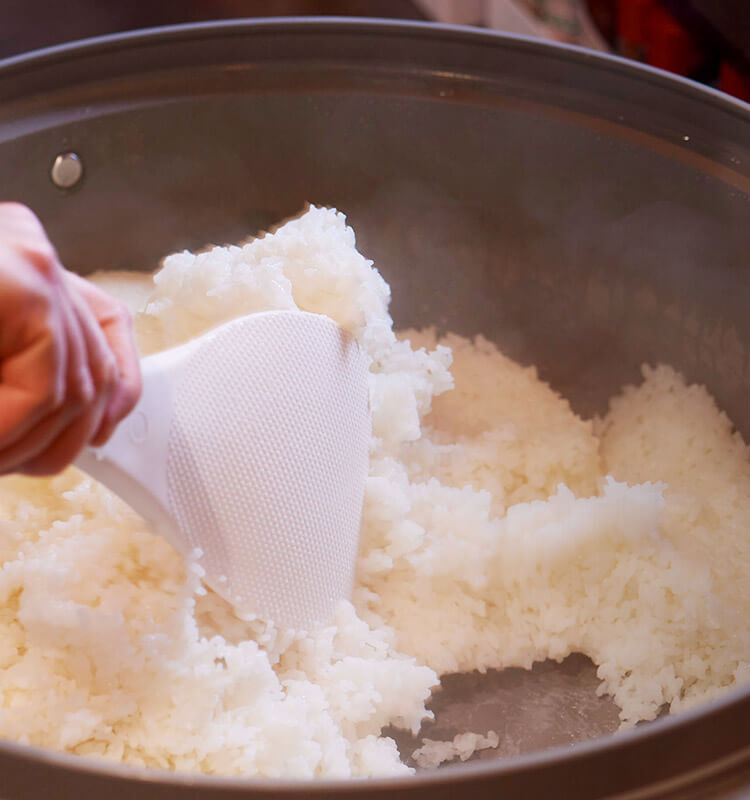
50 399
24 233
110 374
39 305
81 394
49 402
42 256
18 215
17 209
10 207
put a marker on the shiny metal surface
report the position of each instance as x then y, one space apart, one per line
67 170
585 213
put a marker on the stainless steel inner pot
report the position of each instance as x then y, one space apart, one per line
585 213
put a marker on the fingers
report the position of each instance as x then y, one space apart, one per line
32 385
78 398
77 395
116 325
69 369
21 230
104 371
80 431
56 442
63 450
19 223
106 346
33 378
33 351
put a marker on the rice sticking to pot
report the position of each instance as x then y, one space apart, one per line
499 529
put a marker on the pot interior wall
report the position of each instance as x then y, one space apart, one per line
583 247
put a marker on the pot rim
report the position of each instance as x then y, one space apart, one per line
174 33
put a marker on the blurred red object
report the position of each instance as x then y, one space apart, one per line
604 15
733 82
670 45
632 27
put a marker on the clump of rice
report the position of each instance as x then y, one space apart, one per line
463 746
498 529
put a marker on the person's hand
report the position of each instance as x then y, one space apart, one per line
69 369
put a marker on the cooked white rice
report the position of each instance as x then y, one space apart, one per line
498 529
463 746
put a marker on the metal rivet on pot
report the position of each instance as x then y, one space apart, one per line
67 170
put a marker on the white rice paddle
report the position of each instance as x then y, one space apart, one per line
250 444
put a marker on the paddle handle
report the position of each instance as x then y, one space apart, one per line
133 463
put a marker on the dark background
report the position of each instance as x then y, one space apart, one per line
707 40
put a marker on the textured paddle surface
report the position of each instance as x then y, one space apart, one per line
267 460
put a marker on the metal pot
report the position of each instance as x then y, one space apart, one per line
586 213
